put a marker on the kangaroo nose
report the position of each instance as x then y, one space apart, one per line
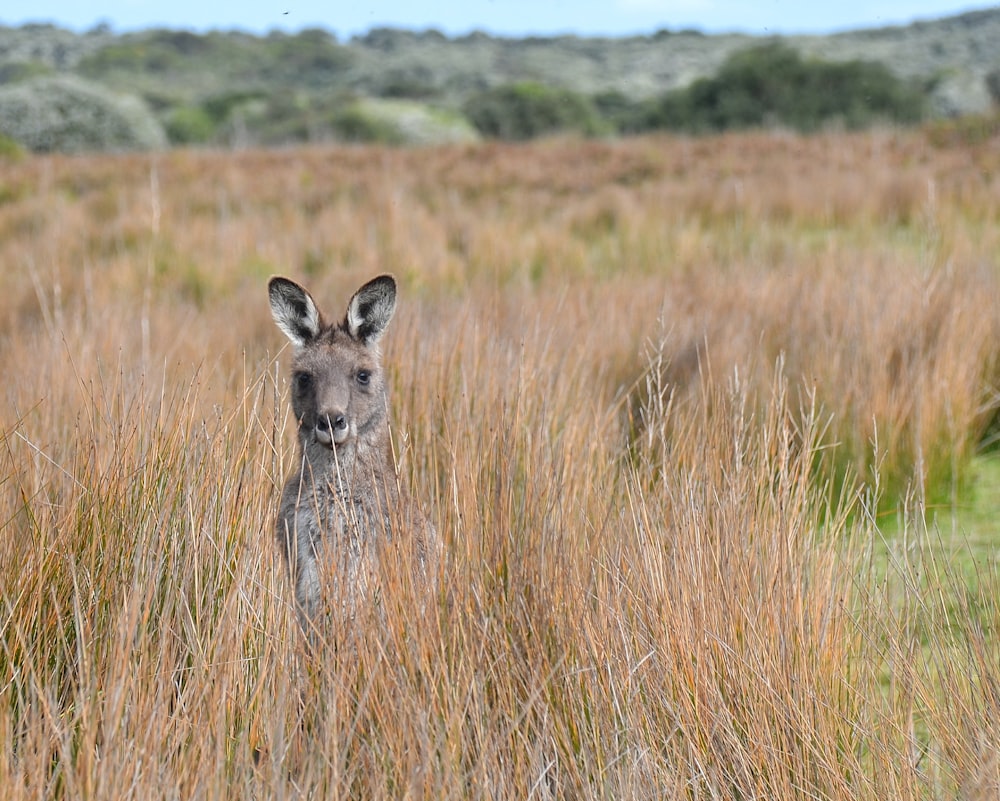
331 422
331 428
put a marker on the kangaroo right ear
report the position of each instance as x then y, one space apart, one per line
293 310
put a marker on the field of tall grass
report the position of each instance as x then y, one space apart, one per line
705 423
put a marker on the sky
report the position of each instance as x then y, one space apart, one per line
498 17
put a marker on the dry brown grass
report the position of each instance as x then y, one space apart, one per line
655 394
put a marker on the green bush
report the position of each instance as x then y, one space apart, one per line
16 71
282 117
68 114
10 150
154 51
526 110
411 84
189 125
354 124
311 58
196 65
620 112
121 56
993 86
221 107
399 122
774 85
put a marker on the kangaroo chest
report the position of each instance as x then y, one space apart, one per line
325 516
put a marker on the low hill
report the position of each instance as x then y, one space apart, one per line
219 85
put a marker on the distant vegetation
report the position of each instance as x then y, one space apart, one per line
759 87
528 109
67 114
398 87
774 85
177 61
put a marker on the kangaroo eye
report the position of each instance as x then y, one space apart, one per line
303 382
364 377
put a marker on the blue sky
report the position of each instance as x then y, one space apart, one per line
504 17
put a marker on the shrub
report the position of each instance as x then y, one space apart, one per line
409 84
619 111
220 107
527 110
157 51
276 118
17 71
10 150
310 58
228 116
354 123
773 84
190 125
993 86
400 122
68 114
128 56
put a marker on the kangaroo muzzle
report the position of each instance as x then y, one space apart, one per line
332 429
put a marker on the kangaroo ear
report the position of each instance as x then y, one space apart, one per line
371 308
293 310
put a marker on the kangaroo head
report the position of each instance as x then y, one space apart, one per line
338 388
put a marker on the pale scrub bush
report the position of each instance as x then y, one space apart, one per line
72 115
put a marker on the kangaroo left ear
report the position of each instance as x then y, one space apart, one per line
371 309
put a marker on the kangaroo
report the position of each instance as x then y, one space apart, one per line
344 502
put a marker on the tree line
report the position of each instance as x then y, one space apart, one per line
771 85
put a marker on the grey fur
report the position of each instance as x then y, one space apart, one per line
344 503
